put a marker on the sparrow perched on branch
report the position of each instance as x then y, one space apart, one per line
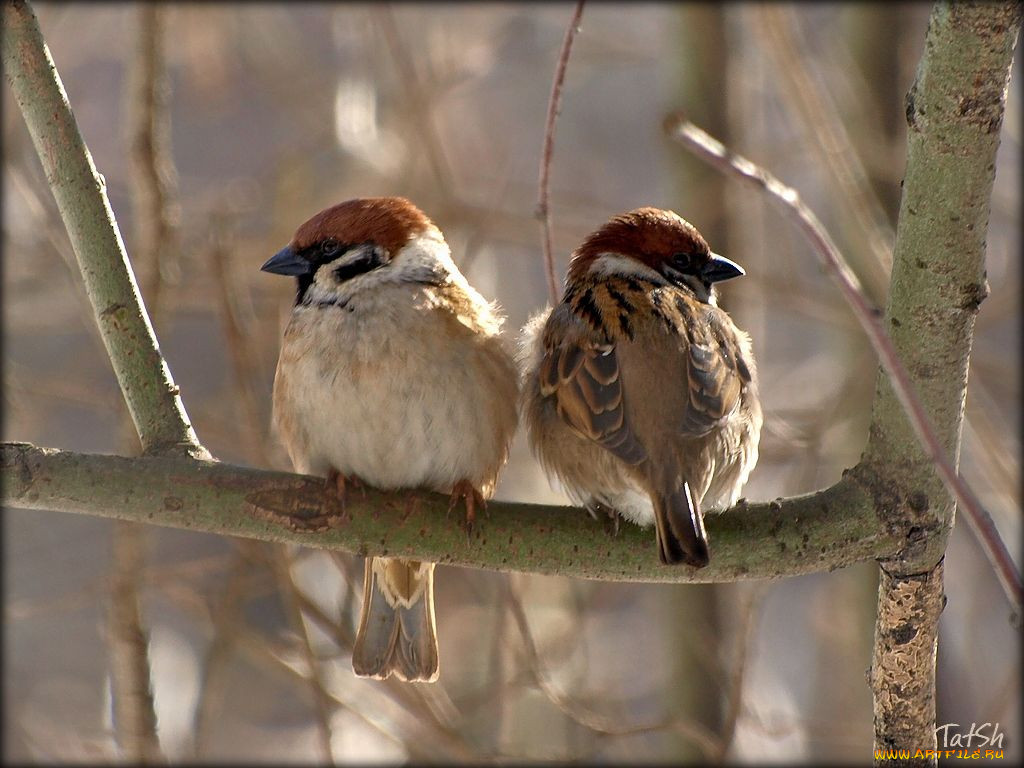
639 393
391 373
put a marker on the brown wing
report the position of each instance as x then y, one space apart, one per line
715 372
584 378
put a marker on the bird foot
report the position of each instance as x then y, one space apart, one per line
608 516
464 491
339 485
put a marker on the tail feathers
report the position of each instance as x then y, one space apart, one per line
679 527
396 632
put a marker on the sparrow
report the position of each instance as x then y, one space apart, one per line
639 394
392 373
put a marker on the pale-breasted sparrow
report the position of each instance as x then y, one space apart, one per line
391 372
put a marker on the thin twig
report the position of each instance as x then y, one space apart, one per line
554 104
801 84
238 340
227 621
714 152
130 666
413 89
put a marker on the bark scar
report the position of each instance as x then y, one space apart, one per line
302 513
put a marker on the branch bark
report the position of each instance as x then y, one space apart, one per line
80 191
954 114
902 672
829 529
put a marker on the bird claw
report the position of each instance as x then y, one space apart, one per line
339 484
608 516
464 491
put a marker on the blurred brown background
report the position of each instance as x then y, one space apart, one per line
275 112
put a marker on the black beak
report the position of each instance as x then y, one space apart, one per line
287 262
719 268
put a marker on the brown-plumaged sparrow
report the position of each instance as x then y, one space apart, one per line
639 393
392 373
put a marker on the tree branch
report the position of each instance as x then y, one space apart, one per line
80 192
829 529
954 114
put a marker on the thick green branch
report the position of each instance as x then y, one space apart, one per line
821 531
80 192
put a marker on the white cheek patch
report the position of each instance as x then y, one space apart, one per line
426 259
611 264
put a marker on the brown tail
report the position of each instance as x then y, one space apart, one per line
679 526
396 631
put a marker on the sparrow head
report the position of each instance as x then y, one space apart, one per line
360 243
653 244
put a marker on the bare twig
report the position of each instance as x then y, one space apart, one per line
413 89
801 85
238 341
226 618
554 104
712 151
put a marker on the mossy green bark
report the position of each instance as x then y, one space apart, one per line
820 531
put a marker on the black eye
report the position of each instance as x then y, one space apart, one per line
682 262
330 247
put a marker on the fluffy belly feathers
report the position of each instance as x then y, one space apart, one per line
421 416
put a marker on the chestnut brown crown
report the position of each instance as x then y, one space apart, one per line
649 235
366 232
661 240
389 222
